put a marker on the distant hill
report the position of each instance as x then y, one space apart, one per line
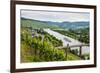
36 24
70 25
53 25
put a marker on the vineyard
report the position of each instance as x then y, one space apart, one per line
39 46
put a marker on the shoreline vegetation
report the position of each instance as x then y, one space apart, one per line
39 46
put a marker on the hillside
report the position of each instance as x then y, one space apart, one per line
70 25
36 24
53 25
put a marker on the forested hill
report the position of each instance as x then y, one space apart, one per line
53 25
36 24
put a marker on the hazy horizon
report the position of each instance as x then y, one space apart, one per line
55 16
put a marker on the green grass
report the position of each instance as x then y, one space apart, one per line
73 57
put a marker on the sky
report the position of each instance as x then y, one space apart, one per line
55 16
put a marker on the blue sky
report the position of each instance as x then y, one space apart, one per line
55 16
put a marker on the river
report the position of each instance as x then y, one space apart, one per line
67 40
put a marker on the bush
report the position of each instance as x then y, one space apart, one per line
47 52
75 51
